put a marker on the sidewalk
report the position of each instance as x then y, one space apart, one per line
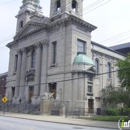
63 120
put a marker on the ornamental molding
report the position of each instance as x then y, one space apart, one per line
73 20
24 50
45 43
82 23
19 52
29 29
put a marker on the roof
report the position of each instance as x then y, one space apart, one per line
121 46
82 58
4 74
107 48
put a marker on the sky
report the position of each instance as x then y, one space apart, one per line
111 17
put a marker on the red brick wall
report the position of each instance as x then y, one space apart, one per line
2 85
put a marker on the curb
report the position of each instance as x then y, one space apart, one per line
58 122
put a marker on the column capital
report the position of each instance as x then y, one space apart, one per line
19 52
45 42
38 45
24 50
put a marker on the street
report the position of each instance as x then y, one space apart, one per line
7 123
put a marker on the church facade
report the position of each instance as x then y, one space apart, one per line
56 55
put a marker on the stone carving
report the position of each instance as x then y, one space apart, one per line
47 96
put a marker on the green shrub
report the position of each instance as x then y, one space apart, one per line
124 111
117 111
112 112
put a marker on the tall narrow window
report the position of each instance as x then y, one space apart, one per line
80 46
54 52
21 24
90 89
16 63
97 65
58 5
108 70
33 59
74 5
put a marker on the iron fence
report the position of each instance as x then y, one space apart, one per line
67 108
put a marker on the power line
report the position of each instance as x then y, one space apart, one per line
111 38
73 78
7 2
121 40
97 7
93 4
6 38
82 1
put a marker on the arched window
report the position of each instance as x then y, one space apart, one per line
97 65
108 70
74 5
58 5
21 24
33 59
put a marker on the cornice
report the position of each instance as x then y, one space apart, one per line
50 26
40 25
74 20
11 44
82 22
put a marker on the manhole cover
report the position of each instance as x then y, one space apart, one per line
77 128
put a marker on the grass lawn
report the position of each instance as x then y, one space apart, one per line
106 118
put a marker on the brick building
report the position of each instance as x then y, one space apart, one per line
3 77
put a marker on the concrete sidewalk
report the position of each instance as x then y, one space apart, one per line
63 120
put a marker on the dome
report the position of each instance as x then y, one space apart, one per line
81 58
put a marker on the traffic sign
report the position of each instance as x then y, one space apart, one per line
4 99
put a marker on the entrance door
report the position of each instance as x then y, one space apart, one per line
90 105
53 89
31 93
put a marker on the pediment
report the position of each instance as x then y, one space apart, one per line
29 29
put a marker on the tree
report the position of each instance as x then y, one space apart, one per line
114 96
124 72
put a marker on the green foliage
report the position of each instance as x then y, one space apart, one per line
124 111
114 96
124 73
112 112
106 118
117 111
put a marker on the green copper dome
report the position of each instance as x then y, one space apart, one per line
81 58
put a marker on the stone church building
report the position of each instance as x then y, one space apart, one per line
55 54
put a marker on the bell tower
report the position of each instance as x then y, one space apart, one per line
28 8
73 7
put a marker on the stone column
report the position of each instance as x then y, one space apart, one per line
18 75
44 60
75 87
81 86
22 78
37 73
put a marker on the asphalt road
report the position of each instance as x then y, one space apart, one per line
7 123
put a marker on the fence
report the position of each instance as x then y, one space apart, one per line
67 108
